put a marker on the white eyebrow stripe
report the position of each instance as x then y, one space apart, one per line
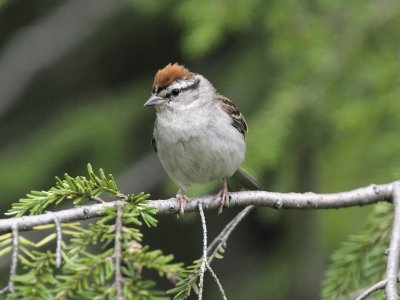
181 85
185 85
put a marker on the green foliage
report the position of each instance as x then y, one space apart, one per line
360 261
88 269
207 25
39 276
79 188
88 275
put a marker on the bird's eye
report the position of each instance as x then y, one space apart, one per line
175 92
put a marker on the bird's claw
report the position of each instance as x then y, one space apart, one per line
182 201
223 196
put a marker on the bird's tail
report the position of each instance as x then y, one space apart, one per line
243 180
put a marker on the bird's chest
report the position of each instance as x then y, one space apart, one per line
186 147
198 148
183 135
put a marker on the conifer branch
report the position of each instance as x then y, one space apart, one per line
358 197
86 272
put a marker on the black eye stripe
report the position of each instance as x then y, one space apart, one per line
192 86
175 92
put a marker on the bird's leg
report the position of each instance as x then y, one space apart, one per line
223 196
182 200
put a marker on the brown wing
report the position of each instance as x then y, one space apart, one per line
238 120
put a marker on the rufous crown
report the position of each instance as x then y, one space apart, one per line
164 77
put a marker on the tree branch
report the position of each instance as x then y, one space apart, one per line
376 287
221 289
392 268
118 251
14 260
380 285
59 240
358 197
204 255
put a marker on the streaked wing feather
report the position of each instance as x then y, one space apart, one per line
238 120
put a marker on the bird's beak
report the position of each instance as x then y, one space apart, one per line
154 100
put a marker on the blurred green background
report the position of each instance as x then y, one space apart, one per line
317 80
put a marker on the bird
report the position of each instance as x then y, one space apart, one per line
199 134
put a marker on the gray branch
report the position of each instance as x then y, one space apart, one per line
14 260
376 287
392 268
220 287
118 251
358 197
59 240
204 255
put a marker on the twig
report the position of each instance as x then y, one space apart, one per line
59 240
223 236
358 197
204 258
216 244
376 287
221 240
380 285
221 289
14 257
392 268
14 261
118 251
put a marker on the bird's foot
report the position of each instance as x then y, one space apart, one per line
182 201
223 196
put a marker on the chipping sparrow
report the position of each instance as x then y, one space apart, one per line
199 135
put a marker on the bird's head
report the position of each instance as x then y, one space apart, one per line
176 87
